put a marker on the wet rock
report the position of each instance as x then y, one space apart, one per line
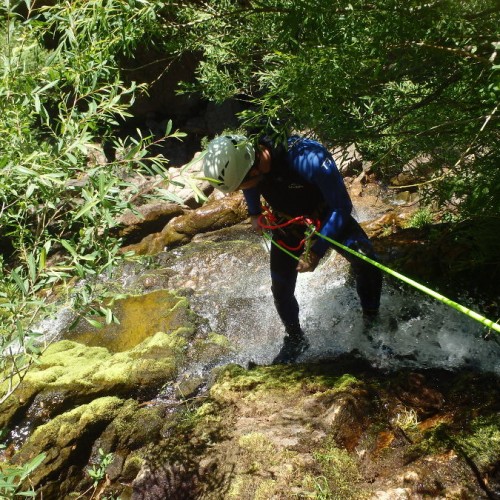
66 439
188 385
273 431
139 318
213 347
143 351
415 171
150 218
387 224
392 494
216 214
407 197
417 392
133 426
345 420
268 425
158 199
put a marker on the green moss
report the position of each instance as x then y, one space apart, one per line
259 448
75 367
432 442
482 443
281 378
208 409
133 426
259 460
220 340
132 466
213 347
78 370
339 476
67 363
140 316
58 436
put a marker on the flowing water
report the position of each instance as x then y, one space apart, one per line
229 285
227 280
413 330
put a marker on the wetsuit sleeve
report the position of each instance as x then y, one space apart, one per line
322 171
252 198
330 228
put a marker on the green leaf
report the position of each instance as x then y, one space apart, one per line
31 267
25 170
109 316
67 245
94 323
19 282
169 128
48 86
86 208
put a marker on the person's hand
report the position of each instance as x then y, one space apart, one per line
254 219
308 263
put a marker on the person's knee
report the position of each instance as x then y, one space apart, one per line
282 290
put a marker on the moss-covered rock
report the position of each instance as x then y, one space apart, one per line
141 353
67 438
140 317
481 443
79 373
318 431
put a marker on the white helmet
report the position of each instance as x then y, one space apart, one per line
227 161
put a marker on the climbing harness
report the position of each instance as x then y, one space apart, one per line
269 221
313 230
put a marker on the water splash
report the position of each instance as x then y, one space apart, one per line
228 284
412 331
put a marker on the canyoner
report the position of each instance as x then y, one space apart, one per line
300 180
313 231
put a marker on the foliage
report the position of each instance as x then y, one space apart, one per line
58 210
98 471
399 79
12 477
421 218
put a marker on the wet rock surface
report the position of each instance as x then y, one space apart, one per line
312 430
176 398
216 214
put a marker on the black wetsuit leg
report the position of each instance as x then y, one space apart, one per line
284 274
284 279
368 277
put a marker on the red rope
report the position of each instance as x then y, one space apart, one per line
272 224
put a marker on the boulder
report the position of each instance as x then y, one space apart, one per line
140 353
217 213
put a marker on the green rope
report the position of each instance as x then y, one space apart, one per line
445 300
268 237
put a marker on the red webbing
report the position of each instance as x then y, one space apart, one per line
267 220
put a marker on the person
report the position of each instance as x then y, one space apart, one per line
299 178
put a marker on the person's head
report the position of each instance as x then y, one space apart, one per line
227 161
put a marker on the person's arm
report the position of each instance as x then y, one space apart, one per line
252 198
322 171
331 227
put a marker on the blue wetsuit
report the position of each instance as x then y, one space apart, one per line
304 180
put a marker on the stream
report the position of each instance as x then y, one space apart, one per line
225 274
412 331
401 384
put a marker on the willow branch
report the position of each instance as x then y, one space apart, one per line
458 162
